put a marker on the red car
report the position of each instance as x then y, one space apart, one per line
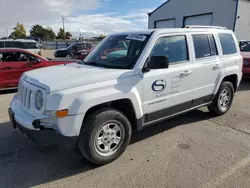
81 54
13 62
245 52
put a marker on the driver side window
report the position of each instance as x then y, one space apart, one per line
175 47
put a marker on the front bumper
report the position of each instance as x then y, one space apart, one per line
43 135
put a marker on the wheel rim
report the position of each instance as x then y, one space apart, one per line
68 56
225 99
109 138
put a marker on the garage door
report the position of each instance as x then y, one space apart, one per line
198 20
165 23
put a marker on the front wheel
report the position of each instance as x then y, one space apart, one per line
69 56
105 135
223 99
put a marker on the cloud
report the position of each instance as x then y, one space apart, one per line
49 14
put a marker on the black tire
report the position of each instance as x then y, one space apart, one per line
69 56
93 123
215 108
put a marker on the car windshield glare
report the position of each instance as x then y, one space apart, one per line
118 51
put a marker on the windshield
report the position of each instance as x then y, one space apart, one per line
245 46
70 46
121 51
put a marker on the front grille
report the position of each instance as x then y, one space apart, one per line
25 94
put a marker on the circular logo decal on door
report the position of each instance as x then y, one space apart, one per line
159 86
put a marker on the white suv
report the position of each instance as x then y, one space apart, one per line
96 103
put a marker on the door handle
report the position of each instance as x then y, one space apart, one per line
186 73
217 66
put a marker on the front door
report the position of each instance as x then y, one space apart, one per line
168 91
13 65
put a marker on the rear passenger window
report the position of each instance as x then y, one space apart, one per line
1 44
227 44
204 46
175 47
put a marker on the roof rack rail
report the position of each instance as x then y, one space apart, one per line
205 26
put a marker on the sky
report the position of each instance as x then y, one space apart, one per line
88 17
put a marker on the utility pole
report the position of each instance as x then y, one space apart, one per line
63 20
7 32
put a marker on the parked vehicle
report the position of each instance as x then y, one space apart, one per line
71 50
95 103
14 62
81 54
26 44
245 52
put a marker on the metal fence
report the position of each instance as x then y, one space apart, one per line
55 44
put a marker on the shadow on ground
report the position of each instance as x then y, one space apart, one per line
244 85
23 163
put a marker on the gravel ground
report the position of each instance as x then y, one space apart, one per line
192 150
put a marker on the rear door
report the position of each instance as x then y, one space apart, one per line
207 66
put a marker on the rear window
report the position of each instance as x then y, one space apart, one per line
227 43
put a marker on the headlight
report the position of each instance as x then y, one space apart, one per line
39 100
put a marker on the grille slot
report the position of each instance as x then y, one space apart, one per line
25 94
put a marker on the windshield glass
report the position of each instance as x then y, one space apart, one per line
70 46
245 46
121 51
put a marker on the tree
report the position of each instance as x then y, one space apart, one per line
39 31
102 36
19 31
61 34
68 35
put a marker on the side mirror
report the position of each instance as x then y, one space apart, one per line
156 62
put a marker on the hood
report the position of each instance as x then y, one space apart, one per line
67 76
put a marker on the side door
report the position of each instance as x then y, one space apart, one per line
12 69
32 62
207 67
169 91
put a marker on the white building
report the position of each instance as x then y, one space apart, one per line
233 14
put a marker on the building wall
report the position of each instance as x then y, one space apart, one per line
242 30
223 11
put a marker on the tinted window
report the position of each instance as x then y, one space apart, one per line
11 44
175 47
29 45
202 46
227 44
245 47
1 44
213 46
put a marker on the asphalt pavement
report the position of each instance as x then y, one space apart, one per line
192 150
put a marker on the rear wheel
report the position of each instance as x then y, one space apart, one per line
105 136
223 99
